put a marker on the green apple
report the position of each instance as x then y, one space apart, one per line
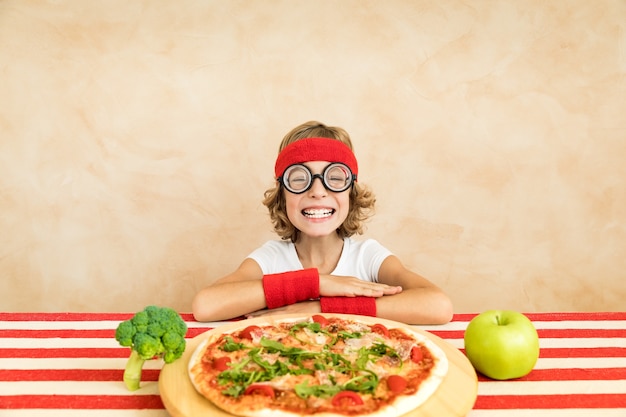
502 344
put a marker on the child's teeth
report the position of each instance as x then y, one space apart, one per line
318 213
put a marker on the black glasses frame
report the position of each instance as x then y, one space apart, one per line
349 180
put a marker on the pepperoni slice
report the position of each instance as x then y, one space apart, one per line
323 321
221 364
380 329
396 384
247 332
416 354
260 389
347 398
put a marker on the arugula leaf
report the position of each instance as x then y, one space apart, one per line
231 345
274 346
313 326
366 382
348 335
295 355
234 391
335 359
378 350
304 390
258 359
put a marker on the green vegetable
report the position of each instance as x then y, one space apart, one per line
153 333
253 368
304 390
231 345
376 351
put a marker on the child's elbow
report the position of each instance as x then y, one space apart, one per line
198 309
445 309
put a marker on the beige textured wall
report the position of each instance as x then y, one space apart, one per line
137 138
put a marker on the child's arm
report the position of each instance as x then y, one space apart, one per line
234 295
343 286
420 302
242 292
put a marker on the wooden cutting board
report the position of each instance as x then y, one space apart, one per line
455 396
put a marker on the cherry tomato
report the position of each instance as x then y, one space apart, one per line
221 364
416 354
247 332
396 383
347 398
380 329
323 321
260 389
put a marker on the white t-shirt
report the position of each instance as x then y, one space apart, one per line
360 259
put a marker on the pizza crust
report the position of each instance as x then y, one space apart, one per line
402 404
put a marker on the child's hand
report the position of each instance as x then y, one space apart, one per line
307 307
338 286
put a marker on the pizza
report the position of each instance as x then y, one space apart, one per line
318 366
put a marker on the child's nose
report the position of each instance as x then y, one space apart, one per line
317 187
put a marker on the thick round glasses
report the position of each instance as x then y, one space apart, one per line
336 177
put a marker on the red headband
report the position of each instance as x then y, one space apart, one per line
315 149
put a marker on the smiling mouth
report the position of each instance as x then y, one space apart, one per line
318 213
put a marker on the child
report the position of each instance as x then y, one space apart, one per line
317 267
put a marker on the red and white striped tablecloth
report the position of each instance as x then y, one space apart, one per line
61 364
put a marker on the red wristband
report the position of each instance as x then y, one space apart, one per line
364 306
291 287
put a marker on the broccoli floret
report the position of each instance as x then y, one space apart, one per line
155 332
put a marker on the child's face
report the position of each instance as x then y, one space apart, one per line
317 212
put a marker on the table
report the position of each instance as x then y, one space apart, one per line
61 364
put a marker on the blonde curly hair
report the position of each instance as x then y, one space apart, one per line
362 199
